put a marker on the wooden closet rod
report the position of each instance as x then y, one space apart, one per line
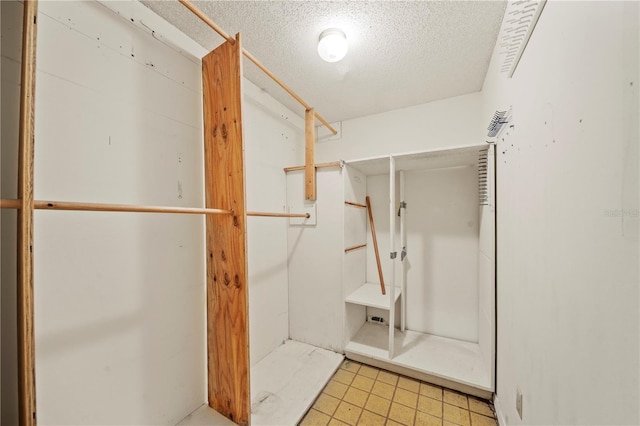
249 56
264 214
10 204
356 204
99 207
317 166
347 250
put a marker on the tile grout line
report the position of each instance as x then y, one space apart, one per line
391 401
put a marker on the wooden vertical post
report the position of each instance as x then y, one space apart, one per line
26 339
309 160
227 293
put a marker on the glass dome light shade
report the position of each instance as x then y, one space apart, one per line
332 45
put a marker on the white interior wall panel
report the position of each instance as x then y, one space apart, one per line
378 192
442 245
11 27
355 233
486 274
271 142
568 296
316 304
119 312
441 124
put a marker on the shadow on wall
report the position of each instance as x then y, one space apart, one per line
11 28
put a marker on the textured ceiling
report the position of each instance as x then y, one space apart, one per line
400 53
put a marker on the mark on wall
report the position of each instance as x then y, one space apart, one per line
180 176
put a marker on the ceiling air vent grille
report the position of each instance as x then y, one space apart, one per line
520 19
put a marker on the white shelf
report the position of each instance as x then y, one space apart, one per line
423 356
370 295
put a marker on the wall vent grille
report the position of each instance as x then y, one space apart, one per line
520 19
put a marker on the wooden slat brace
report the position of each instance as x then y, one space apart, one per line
350 203
375 245
309 164
347 250
317 166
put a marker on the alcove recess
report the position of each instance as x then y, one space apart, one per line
437 263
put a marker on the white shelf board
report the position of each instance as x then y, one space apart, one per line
370 294
371 166
458 156
440 158
449 359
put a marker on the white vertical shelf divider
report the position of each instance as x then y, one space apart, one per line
403 246
392 248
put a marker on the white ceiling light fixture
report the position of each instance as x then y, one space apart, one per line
332 45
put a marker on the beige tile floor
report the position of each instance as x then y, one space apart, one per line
358 394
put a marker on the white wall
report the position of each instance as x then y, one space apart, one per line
315 283
487 273
272 137
442 226
446 123
118 297
316 304
355 261
442 244
568 324
11 27
120 301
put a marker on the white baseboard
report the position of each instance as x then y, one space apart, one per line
499 413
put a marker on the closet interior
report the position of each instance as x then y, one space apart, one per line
272 337
434 220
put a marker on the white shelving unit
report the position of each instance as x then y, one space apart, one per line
369 294
448 361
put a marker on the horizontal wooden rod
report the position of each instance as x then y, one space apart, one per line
9 204
207 21
253 59
64 205
287 89
317 166
364 206
100 207
264 214
347 250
